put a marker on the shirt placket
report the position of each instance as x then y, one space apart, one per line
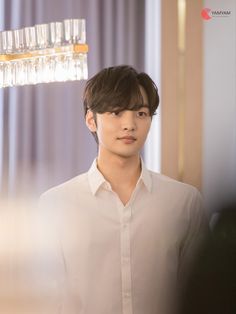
126 261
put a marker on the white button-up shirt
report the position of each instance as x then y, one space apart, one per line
111 258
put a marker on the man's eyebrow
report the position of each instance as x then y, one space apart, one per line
135 107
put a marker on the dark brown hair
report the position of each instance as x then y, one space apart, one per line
117 88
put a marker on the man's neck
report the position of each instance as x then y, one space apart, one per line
122 173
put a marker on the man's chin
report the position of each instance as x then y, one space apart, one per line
128 155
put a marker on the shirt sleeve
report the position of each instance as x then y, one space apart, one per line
194 235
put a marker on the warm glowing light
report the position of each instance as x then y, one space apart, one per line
44 53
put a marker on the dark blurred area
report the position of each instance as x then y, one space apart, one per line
211 286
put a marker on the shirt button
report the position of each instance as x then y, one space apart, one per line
127 294
127 212
125 225
127 208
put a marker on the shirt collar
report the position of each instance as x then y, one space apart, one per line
96 179
146 177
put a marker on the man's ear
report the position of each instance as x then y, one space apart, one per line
90 121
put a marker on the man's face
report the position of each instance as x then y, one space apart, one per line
121 133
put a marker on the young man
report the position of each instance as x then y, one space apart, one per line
125 234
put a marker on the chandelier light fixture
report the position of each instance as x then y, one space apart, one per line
44 53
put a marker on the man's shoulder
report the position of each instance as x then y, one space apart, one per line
174 191
71 187
182 198
165 182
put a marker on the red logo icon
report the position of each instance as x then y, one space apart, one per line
206 14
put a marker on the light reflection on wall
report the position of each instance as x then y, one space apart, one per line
24 255
152 147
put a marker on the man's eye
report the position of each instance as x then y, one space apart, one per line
115 113
142 114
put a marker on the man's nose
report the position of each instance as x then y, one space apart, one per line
128 121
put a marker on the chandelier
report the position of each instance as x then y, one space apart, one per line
54 52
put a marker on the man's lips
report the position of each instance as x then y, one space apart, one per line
127 139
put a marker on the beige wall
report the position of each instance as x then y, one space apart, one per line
182 94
